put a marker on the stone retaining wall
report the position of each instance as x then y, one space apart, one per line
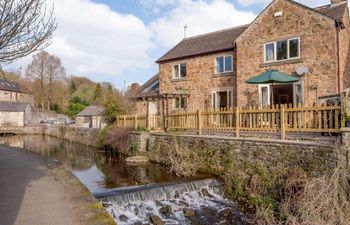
87 136
312 157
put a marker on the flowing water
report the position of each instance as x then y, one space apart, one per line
136 195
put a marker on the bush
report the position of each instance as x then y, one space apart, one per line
118 138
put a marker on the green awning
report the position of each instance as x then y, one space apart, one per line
271 77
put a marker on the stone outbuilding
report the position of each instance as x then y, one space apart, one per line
12 92
91 117
15 114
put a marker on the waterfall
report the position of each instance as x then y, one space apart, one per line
197 202
154 192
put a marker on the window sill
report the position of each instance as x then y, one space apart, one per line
179 80
223 74
276 63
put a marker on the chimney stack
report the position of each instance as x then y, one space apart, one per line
337 1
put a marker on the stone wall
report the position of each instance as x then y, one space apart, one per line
16 97
12 119
201 80
87 136
312 157
318 39
38 115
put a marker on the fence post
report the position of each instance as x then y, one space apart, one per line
135 121
124 121
148 122
199 122
283 125
238 122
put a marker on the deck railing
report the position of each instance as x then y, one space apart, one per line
276 118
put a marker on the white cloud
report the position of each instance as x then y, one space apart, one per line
91 39
200 16
310 3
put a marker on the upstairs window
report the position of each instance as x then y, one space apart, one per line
179 71
282 50
180 103
224 64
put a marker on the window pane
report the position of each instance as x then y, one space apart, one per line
264 96
228 63
294 48
281 50
176 71
183 70
183 103
220 65
270 52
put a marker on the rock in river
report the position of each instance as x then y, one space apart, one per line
137 160
156 220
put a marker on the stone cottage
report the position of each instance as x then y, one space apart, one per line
15 114
11 91
91 117
210 70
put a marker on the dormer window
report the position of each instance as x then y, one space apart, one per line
179 71
282 50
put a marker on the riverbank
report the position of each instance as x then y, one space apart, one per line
35 190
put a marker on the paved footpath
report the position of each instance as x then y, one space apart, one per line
29 195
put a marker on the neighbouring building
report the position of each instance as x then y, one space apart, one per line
15 114
210 70
91 117
11 91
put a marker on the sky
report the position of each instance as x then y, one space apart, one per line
118 41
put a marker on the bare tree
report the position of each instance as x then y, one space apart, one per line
25 27
44 70
55 71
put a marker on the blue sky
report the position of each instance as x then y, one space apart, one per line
119 40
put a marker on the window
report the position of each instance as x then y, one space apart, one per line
298 92
264 95
282 50
180 103
222 99
224 64
179 71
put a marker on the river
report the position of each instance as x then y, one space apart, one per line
142 194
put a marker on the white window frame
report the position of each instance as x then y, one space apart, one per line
216 66
179 108
215 102
260 87
295 92
173 71
288 50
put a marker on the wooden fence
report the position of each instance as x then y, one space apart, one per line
276 118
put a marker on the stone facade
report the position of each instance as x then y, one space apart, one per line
200 81
10 96
318 50
324 50
12 119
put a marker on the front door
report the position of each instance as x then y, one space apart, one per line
222 99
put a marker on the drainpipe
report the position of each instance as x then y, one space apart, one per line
338 28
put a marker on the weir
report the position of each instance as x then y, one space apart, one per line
196 202
148 192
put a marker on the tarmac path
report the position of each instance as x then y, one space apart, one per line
29 195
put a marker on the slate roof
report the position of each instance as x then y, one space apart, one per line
224 39
9 86
93 111
335 11
212 42
13 106
149 89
